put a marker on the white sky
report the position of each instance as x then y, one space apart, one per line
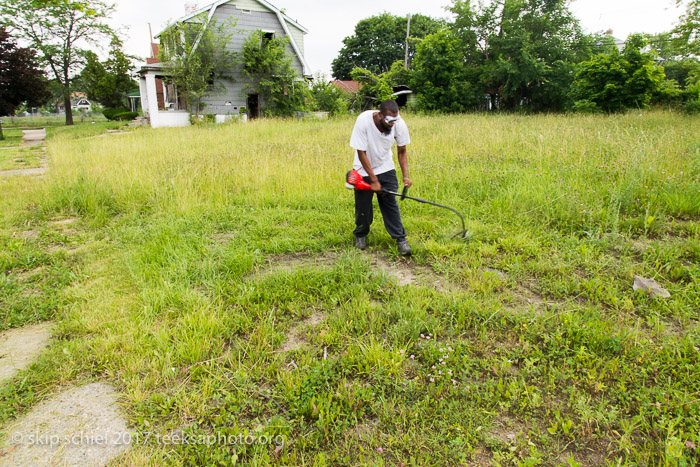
329 22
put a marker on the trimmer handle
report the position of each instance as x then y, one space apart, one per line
403 193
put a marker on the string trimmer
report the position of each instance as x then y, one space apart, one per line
354 180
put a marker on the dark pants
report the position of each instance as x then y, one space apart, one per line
387 204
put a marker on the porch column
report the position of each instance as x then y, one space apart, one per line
152 99
144 96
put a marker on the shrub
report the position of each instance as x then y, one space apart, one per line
111 113
126 116
586 106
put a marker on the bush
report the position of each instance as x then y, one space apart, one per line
111 113
123 116
692 107
586 106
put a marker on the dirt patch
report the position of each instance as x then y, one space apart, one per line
223 237
523 299
502 276
20 347
507 430
292 262
81 426
64 222
295 337
26 235
404 272
364 431
31 275
593 453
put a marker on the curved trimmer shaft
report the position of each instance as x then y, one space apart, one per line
402 195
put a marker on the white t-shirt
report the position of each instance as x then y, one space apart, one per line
367 137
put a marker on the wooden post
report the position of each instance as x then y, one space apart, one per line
408 33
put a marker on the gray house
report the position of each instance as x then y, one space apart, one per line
160 102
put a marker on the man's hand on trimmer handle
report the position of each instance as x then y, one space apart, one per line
376 186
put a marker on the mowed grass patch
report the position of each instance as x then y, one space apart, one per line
21 158
526 345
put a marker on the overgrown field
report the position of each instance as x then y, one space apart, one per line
208 273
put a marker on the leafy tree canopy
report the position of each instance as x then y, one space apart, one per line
327 97
196 56
21 80
380 41
267 64
524 49
686 34
378 87
443 81
58 30
615 81
108 82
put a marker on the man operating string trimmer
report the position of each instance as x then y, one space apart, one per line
372 138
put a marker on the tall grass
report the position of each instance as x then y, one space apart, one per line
568 173
196 264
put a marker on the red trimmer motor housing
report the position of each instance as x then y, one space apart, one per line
353 180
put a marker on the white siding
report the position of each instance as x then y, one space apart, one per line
298 36
248 5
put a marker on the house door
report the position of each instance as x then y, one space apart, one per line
253 107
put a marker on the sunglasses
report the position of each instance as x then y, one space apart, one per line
391 120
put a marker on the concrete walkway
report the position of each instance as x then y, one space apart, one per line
30 138
33 137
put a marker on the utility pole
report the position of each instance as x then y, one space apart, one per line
408 33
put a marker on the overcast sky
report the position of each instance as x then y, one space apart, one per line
329 22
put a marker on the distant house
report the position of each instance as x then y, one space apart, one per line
78 100
164 107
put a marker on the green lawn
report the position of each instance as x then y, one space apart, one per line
208 274
13 138
43 121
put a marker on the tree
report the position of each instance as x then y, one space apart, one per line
380 41
21 80
616 81
196 57
108 82
268 66
686 36
56 29
440 78
328 98
524 50
378 87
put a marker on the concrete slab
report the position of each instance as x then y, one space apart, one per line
20 347
80 427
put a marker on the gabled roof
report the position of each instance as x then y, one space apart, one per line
268 5
283 19
347 86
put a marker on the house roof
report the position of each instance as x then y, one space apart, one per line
283 19
347 86
262 2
